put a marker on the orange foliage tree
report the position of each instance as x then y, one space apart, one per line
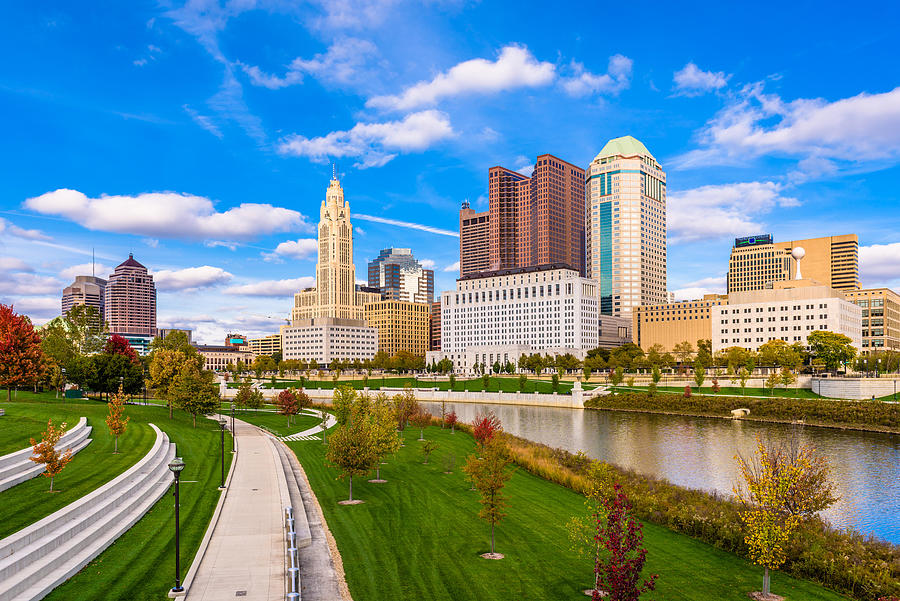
20 350
115 421
45 451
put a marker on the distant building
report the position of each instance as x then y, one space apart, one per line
668 324
85 290
501 315
268 345
328 338
790 311
474 241
130 305
434 343
401 325
614 331
236 340
880 318
756 262
163 332
217 357
626 227
397 274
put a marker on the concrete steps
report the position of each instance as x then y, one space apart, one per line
38 558
17 467
301 522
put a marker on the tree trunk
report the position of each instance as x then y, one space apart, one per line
171 415
378 473
351 488
765 590
194 415
51 483
492 538
117 444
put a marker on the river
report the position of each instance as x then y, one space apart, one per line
700 453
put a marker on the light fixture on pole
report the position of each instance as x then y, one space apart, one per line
222 424
64 383
233 439
176 466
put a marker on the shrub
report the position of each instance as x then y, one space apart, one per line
715 385
687 392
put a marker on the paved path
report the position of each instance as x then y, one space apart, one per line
246 551
314 433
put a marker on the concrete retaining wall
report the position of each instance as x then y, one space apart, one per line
855 388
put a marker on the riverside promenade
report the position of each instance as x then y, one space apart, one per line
245 557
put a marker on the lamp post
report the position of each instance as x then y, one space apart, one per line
176 465
222 424
121 383
64 383
233 443
145 385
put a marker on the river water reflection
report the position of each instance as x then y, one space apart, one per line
699 453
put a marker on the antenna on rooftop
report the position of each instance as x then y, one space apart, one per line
93 271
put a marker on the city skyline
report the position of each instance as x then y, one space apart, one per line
412 141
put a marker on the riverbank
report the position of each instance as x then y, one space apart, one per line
418 537
869 416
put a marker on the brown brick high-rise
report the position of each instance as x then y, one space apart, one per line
131 300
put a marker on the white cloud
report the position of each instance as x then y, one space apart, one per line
720 211
38 308
345 63
374 143
204 122
452 267
27 284
880 263
303 248
190 278
209 329
10 228
99 269
427 263
515 67
273 287
351 14
616 79
406 224
13 264
863 128
696 290
692 81
167 215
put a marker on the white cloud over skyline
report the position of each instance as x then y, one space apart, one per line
616 79
189 278
692 81
273 287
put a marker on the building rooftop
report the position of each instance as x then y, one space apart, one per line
130 262
516 270
626 146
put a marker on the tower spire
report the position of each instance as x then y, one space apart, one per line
333 170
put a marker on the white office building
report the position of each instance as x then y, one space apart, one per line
327 338
501 315
791 311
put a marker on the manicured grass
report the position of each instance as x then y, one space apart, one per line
543 385
140 564
419 537
89 469
788 393
277 424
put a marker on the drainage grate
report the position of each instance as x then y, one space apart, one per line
240 593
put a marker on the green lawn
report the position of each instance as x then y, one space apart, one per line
140 564
277 424
794 393
419 537
497 383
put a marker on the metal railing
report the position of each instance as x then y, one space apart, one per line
293 558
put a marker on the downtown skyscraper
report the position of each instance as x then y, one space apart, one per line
626 227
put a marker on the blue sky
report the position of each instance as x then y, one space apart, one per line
200 136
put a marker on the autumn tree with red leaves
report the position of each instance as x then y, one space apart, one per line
619 570
20 350
421 419
117 345
485 426
45 451
287 404
115 420
451 419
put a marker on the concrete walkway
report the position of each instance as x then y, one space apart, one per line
314 433
245 557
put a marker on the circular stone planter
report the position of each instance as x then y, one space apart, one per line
492 555
589 592
759 596
353 502
377 481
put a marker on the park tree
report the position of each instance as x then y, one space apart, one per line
772 381
287 404
787 377
303 400
554 382
625 356
351 449
778 353
586 370
704 352
165 365
428 447
45 452
699 374
384 434
194 391
451 419
452 381
242 398
115 419
522 380
485 427
489 475
256 400
582 529
655 377
485 382
684 351
405 405
831 348
421 419
117 345
783 485
743 375
655 354
619 569
616 377
77 333
342 401
20 350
